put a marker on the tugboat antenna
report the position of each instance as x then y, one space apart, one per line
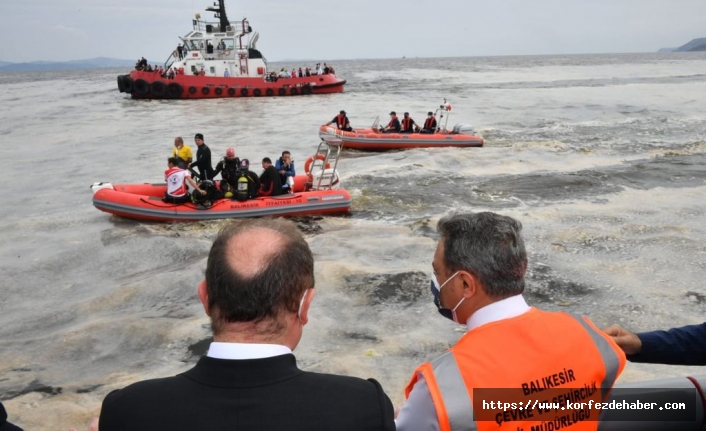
220 10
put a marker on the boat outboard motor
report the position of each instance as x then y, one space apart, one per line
676 390
463 129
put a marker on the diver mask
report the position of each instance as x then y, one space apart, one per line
436 291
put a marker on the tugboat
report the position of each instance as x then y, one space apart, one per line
220 59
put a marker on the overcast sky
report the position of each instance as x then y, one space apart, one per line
322 29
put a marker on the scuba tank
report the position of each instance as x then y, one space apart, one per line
241 188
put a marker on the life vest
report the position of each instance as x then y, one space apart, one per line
241 187
407 123
429 123
536 356
341 121
391 124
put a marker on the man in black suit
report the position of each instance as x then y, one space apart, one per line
677 346
258 288
4 424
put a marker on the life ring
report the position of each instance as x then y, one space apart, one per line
121 87
282 92
306 89
243 92
270 92
231 92
310 160
294 91
174 90
192 90
257 92
218 91
205 91
127 83
158 88
141 86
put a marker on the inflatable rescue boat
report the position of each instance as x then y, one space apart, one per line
317 192
372 139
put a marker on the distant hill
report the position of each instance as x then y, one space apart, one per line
91 63
695 45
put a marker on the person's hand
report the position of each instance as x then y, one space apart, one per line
281 172
93 426
203 192
626 340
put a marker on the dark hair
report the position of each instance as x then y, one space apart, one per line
286 152
276 288
173 160
199 135
488 245
267 160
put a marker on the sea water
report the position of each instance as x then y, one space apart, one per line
601 157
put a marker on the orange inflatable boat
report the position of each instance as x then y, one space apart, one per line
318 192
372 139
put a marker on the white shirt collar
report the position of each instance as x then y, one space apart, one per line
220 350
504 309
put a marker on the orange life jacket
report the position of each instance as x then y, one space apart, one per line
537 356
407 123
341 121
429 123
391 124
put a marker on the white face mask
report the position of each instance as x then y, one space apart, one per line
436 291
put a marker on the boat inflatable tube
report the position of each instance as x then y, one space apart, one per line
310 160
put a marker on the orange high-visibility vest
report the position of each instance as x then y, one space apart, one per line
537 356
407 123
341 121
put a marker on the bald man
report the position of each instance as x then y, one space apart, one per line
258 289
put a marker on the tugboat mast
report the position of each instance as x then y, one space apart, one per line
220 11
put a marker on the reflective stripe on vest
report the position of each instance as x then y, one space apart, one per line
610 359
454 394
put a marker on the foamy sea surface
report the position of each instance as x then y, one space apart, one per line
601 157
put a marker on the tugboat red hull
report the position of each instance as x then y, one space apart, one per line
150 85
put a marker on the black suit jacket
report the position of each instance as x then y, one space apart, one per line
678 346
249 395
4 424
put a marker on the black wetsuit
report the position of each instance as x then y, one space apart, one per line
271 184
203 162
228 170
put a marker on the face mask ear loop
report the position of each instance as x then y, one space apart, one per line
301 304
